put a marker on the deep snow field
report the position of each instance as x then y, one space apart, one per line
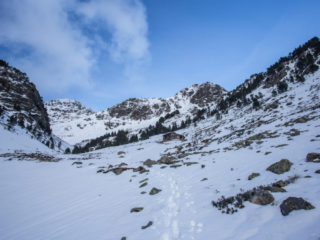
65 198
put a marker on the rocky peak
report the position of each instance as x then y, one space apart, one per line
20 100
196 96
207 93
62 110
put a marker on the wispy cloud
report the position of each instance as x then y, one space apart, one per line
126 19
57 52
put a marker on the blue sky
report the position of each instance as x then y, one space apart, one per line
102 52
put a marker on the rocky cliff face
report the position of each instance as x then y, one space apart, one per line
20 99
64 110
187 100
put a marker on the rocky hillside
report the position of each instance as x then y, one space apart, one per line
22 111
64 110
136 115
20 100
133 114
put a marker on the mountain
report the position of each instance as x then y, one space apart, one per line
247 169
22 111
133 114
137 115
20 99
64 110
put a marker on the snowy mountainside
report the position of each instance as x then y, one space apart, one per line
110 193
135 114
241 173
64 110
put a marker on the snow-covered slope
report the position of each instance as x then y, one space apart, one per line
109 193
18 140
75 199
132 115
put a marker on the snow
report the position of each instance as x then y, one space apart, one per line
17 140
62 200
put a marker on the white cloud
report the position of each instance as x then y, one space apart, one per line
126 19
60 55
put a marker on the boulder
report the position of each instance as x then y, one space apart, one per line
136 209
280 183
280 167
143 185
253 175
262 197
149 163
293 203
118 171
313 157
166 160
154 191
77 163
148 225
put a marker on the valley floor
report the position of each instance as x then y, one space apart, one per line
62 200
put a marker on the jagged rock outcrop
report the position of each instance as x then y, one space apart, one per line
195 97
20 99
65 110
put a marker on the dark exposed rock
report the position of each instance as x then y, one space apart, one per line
189 163
204 179
123 238
274 189
166 159
119 170
175 165
280 167
253 175
20 97
143 185
144 180
154 191
76 163
280 183
183 155
140 169
148 225
262 198
313 157
293 203
149 162
207 93
30 157
317 171
257 195
136 209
